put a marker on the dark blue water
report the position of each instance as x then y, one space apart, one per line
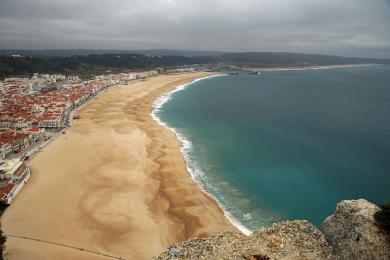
289 144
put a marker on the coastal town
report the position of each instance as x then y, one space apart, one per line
33 111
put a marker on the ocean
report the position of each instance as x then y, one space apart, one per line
287 144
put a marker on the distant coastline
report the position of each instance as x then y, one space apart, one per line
286 68
87 63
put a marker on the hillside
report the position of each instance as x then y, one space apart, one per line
89 63
86 65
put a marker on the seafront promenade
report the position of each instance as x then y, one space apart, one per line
115 183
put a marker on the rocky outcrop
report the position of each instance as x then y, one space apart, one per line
283 240
352 231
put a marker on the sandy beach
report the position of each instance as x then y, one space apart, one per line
115 183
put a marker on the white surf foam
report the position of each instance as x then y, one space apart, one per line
186 146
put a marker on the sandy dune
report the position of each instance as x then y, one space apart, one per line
115 183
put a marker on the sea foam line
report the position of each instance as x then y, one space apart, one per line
185 149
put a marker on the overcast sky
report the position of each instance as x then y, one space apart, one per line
342 27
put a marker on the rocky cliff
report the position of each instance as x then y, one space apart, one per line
350 233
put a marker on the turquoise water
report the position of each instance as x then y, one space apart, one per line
289 144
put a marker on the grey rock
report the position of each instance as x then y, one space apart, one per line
283 240
352 231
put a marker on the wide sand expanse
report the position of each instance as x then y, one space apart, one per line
115 183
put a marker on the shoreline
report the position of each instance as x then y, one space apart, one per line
134 215
187 144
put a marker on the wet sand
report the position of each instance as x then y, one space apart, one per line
115 183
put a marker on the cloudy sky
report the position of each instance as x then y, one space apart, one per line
342 27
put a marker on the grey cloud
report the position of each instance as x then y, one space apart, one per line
342 27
